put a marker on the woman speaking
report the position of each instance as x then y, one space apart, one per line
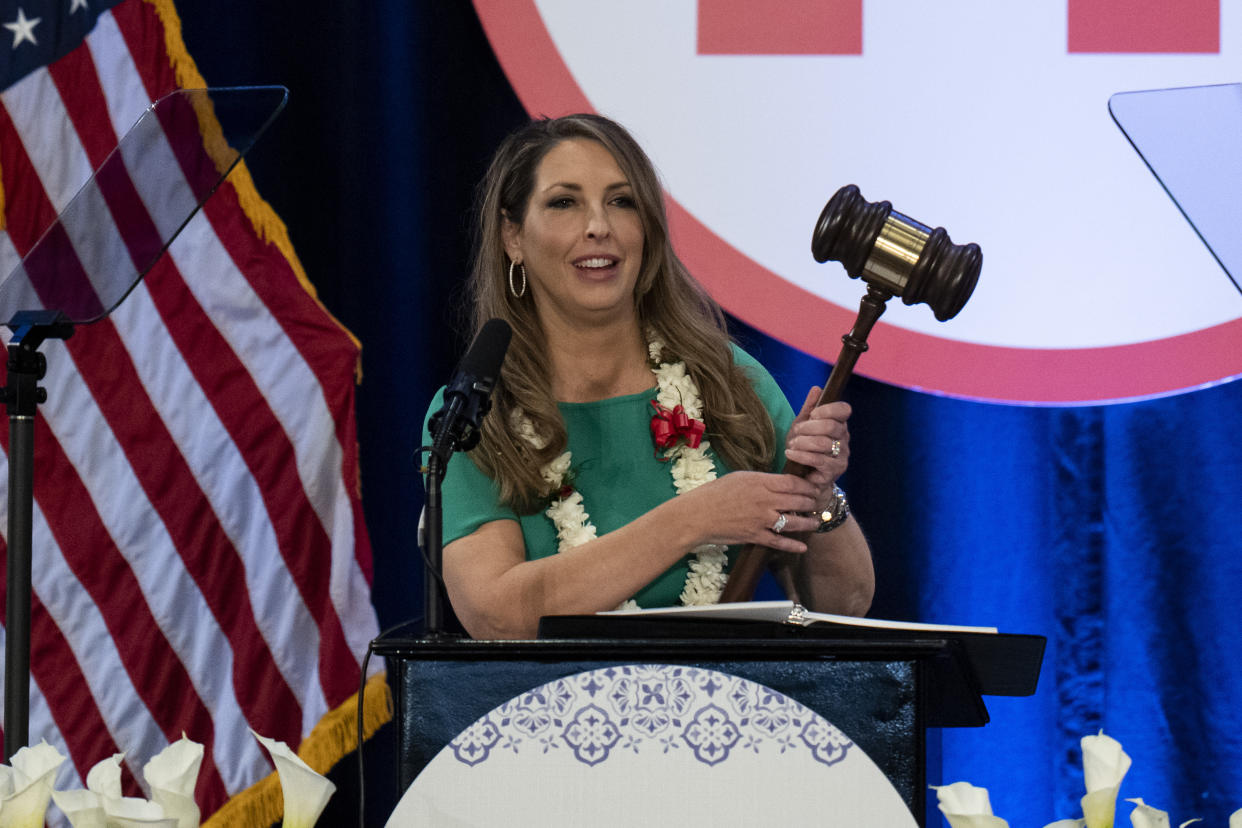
631 448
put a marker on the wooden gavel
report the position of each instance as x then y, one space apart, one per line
896 256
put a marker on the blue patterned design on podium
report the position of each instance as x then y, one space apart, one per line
632 709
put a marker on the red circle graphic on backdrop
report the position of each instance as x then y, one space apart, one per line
1040 370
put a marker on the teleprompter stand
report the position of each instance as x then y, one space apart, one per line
80 269
26 366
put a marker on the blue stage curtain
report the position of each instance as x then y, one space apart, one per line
1112 530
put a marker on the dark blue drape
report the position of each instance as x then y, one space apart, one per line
1111 530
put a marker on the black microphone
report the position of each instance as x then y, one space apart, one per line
468 396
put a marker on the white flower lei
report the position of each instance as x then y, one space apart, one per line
690 468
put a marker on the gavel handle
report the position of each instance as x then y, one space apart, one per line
752 560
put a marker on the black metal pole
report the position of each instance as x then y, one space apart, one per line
22 396
433 550
18 586
25 368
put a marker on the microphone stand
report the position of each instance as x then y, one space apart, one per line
433 548
456 427
443 444
22 395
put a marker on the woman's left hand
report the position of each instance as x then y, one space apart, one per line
820 439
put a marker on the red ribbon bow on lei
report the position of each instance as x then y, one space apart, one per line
667 427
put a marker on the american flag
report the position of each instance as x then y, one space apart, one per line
200 562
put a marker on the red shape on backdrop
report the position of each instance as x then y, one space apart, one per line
1144 26
780 27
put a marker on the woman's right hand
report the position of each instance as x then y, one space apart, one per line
742 507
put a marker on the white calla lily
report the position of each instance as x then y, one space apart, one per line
1067 823
36 762
105 777
1104 765
172 775
182 810
131 812
1235 819
975 821
306 792
1104 762
83 808
963 798
967 806
1145 816
26 786
1099 808
27 807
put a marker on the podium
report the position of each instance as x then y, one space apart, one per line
882 688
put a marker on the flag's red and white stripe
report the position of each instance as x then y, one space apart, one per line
200 562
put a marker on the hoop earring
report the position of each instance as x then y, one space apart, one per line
517 294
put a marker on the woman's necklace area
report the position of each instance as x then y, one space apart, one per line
677 429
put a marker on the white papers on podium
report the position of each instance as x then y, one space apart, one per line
788 612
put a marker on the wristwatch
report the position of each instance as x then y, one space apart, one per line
836 513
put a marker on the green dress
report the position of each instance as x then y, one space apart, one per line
615 467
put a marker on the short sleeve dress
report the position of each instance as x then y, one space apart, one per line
615 467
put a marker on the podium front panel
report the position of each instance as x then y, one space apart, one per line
442 689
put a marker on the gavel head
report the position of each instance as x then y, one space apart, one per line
896 253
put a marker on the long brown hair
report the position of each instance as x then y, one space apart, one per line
669 302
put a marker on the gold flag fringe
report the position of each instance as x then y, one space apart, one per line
266 223
262 804
335 736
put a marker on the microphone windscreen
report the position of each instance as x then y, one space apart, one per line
487 352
